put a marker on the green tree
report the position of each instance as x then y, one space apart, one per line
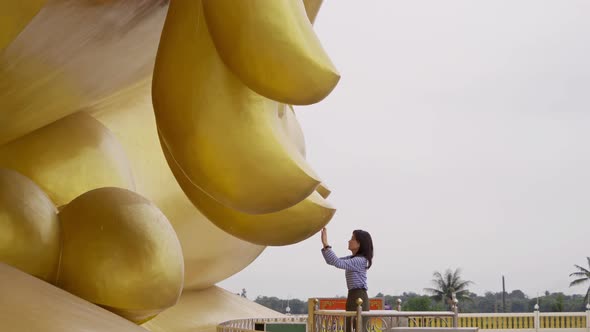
448 286
298 307
558 305
519 305
583 276
418 303
517 294
272 302
488 303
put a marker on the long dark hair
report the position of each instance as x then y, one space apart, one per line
365 245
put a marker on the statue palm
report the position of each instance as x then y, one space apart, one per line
583 276
448 286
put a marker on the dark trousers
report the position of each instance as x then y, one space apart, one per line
351 305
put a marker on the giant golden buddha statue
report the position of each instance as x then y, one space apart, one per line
148 150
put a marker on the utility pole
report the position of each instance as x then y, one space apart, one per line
503 295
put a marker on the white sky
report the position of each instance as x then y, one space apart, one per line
458 136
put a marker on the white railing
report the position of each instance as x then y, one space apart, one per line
249 324
534 321
387 320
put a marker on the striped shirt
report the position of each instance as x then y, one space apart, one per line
355 268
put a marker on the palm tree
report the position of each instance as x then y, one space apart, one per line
583 276
449 286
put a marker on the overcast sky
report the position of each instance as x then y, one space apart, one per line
458 136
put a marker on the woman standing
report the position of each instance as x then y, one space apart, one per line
355 265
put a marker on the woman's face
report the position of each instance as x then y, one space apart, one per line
353 244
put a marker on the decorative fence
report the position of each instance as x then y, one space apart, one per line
252 324
564 320
498 321
387 320
376 320
536 320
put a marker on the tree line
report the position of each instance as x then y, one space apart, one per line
449 287
514 301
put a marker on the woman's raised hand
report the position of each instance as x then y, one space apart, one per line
324 236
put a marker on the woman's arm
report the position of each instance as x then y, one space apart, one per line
358 264
325 237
